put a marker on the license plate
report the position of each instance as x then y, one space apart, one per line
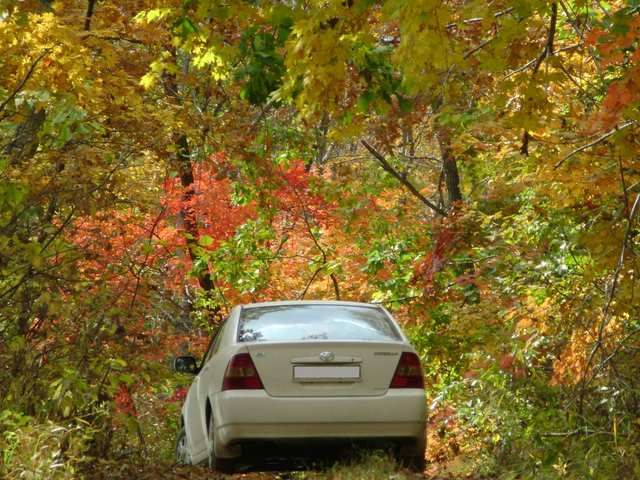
337 372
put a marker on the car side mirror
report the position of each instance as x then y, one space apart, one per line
185 364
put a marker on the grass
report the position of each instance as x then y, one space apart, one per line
361 466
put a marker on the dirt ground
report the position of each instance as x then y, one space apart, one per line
379 467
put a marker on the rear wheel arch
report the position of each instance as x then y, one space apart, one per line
208 412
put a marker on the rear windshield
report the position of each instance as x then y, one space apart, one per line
315 322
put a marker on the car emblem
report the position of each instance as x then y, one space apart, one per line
327 356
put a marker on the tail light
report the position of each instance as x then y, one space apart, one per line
408 373
241 374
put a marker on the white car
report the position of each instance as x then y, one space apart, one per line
300 371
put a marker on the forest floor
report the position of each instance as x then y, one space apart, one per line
370 466
320 462
360 472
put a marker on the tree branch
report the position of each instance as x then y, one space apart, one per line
389 169
87 21
24 80
578 431
478 48
531 62
111 38
313 277
598 140
396 300
332 275
612 292
548 48
471 21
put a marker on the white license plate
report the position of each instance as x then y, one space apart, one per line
337 372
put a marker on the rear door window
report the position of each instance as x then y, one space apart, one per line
315 322
214 346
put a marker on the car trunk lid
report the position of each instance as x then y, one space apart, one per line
326 368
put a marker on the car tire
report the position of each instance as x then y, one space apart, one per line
222 465
415 464
182 449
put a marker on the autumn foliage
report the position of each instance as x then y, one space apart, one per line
471 165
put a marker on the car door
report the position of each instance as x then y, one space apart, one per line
206 379
194 408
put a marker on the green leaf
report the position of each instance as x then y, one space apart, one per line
205 241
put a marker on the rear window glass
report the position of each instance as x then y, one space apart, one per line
315 322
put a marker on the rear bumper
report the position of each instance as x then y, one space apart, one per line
254 415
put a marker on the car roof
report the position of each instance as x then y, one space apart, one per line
285 303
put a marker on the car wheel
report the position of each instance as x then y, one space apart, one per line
222 465
182 449
411 455
415 464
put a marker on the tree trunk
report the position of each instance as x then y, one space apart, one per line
449 165
187 215
185 170
26 142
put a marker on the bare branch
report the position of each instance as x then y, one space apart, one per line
478 48
611 295
87 20
23 82
389 169
578 431
548 48
598 140
397 300
313 277
323 253
532 62
111 38
470 21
